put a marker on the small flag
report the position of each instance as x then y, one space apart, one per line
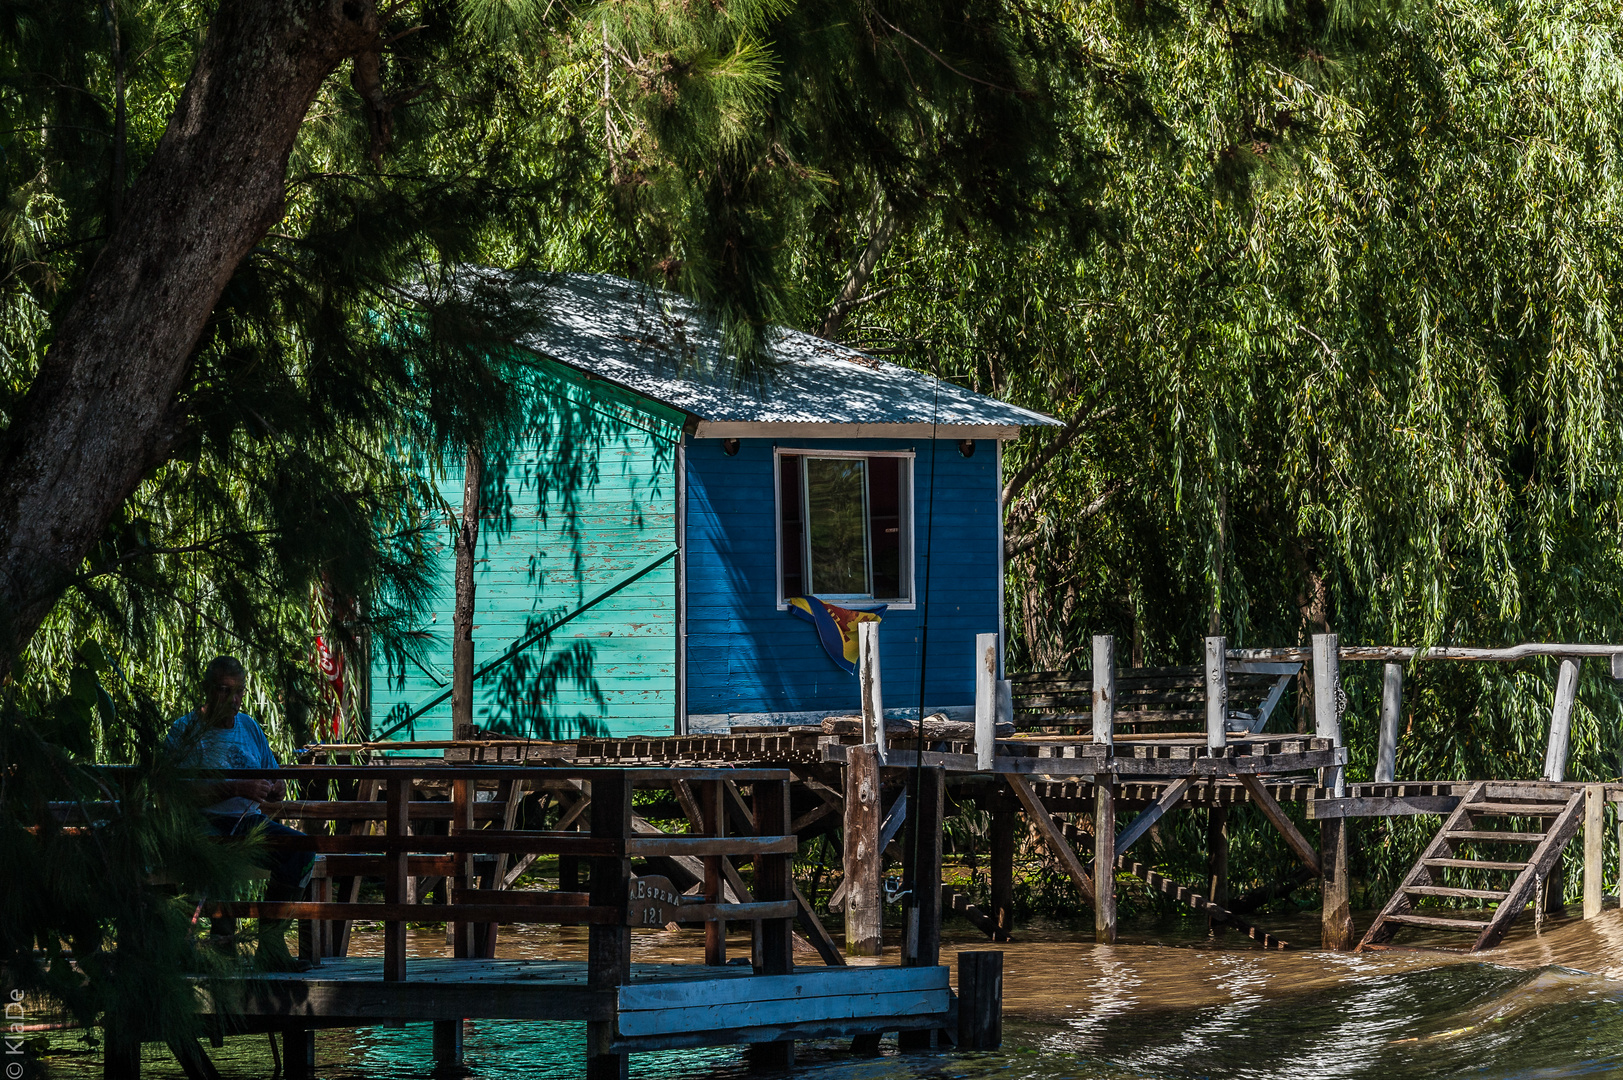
836 627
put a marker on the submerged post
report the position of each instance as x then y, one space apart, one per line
863 910
1386 754
980 1000
1327 702
1104 860
985 700
1337 923
1566 692
1002 872
1104 689
1217 861
1217 692
868 684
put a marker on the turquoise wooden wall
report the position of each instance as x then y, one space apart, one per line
586 496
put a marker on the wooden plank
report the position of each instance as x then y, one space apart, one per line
482 841
1057 844
1380 806
391 912
1455 893
806 983
1502 835
761 1012
1433 922
1566 692
980 1000
1594 848
1476 864
1104 689
412 1000
1386 754
1276 816
645 846
1146 819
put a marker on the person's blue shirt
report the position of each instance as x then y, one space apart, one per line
241 746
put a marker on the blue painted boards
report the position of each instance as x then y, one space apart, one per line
746 656
587 495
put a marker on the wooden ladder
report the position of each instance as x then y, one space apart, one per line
1560 813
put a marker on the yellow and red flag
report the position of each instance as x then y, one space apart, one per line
836 627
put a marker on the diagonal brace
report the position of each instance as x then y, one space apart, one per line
1275 814
1146 820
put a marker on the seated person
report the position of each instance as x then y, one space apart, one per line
218 736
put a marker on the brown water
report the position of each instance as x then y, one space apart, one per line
1166 1002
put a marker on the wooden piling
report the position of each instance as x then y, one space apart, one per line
1104 689
1217 692
773 882
870 687
608 945
1001 869
1104 860
985 700
1594 848
1217 863
924 876
1338 934
714 812
980 1000
448 1045
298 1052
864 913
1327 703
1386 753
1566 692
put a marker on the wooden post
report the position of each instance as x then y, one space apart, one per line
1104 689
447 1045
1217 692
462 799
869 686
121 1050
1327 702
1002 872
1594 848
714 810
608 945
467 541
773 882
1217 862
923 948
985 700
1338 934
1566 691
1104 860
864 910
1386 754
298 1052
980 1000
397 815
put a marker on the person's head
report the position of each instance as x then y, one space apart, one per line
224 682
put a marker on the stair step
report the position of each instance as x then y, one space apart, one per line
1435 923
1477 864
1514 809
1490 834
1445 890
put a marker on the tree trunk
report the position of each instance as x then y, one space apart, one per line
101 412
467 540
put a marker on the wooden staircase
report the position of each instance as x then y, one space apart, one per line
1559 811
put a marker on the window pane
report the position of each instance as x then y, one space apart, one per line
791 539
885 526
837 524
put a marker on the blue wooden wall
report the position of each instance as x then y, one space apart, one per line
587 494
746 656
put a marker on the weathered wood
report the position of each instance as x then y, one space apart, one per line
1217 692
448 1045
298 1052
869 686
714 819
1147 817
462 878
1104 689
1217 864
398 796
1386 753
642 847
1566 692
773 881
1327 701
765 1001
1594 848
1044 821
922 877
1104 861
980 1000
815 931
985 700
1001 870
864 911
1380 806
1277 817
608 948
1337 933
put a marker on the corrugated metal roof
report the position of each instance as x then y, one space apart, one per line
657 344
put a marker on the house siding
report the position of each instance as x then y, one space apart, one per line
744 655
587 494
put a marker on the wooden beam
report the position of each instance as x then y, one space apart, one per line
1380 806
1001 869
816 933
1386 754
1150 815
1104 860
1275 814
1594 848
1044 821
1337 933
985 700
1104 689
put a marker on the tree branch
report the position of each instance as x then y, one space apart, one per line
851 292
1019 545
1068 434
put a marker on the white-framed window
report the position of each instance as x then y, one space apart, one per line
845 525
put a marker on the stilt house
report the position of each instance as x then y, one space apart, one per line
642 545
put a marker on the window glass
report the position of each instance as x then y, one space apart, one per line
837 526
791 531
885 525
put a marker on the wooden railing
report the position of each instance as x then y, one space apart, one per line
607 836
